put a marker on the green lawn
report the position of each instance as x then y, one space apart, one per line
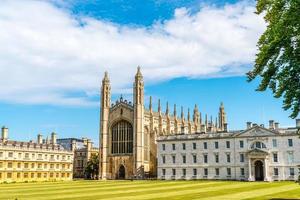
118 190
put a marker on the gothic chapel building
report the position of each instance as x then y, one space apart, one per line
128 132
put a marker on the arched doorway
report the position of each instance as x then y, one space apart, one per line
121 174
259 170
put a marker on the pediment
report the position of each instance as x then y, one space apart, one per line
257 152
257 131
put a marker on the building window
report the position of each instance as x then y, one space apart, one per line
228 171
194 145
292 172
174 159
122 137
228 144
25 175
26 165
9 175
1 154
276 171
32 165
290 141
217 158
183 172
195 158
217 170
205 158
18 175
205 171
241 144
163 172
228 158
40 166
258 145
216 145
183 146
164 159
275 157
9 165
183 159
290 157
19 165
27 155
205 145
274 141
163 147
19 155
242 172
1 165
173 147
194 172
174 172
32 175
10 154
242 157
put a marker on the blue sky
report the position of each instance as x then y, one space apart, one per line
190 52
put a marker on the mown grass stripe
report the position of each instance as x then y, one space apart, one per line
255 193
205 194
183 193
293 194
95 192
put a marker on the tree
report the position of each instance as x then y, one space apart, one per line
92 167
278 58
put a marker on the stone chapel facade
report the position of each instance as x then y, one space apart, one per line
128 131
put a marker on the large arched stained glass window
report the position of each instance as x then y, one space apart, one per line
122 138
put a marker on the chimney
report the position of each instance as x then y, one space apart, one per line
254 124
53 138
249 124
297 123
4 135
271 124
276 125
225 127
262 125
40 139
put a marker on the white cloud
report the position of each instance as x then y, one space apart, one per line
46 54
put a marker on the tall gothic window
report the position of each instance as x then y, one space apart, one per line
122 138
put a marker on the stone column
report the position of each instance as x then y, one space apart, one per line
267 177
249 170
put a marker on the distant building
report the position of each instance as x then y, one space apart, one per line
83 150
42 160
254 154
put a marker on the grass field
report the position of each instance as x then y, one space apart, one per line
119 190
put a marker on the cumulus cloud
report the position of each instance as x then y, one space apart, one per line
48 56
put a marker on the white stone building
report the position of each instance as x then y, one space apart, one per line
256 153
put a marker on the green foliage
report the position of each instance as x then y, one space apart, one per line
92 168
278 59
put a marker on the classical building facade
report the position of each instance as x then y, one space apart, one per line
128 131
253 154
42 160
83 150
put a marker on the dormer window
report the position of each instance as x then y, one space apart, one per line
258 145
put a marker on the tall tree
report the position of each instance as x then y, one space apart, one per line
278 59
92 167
